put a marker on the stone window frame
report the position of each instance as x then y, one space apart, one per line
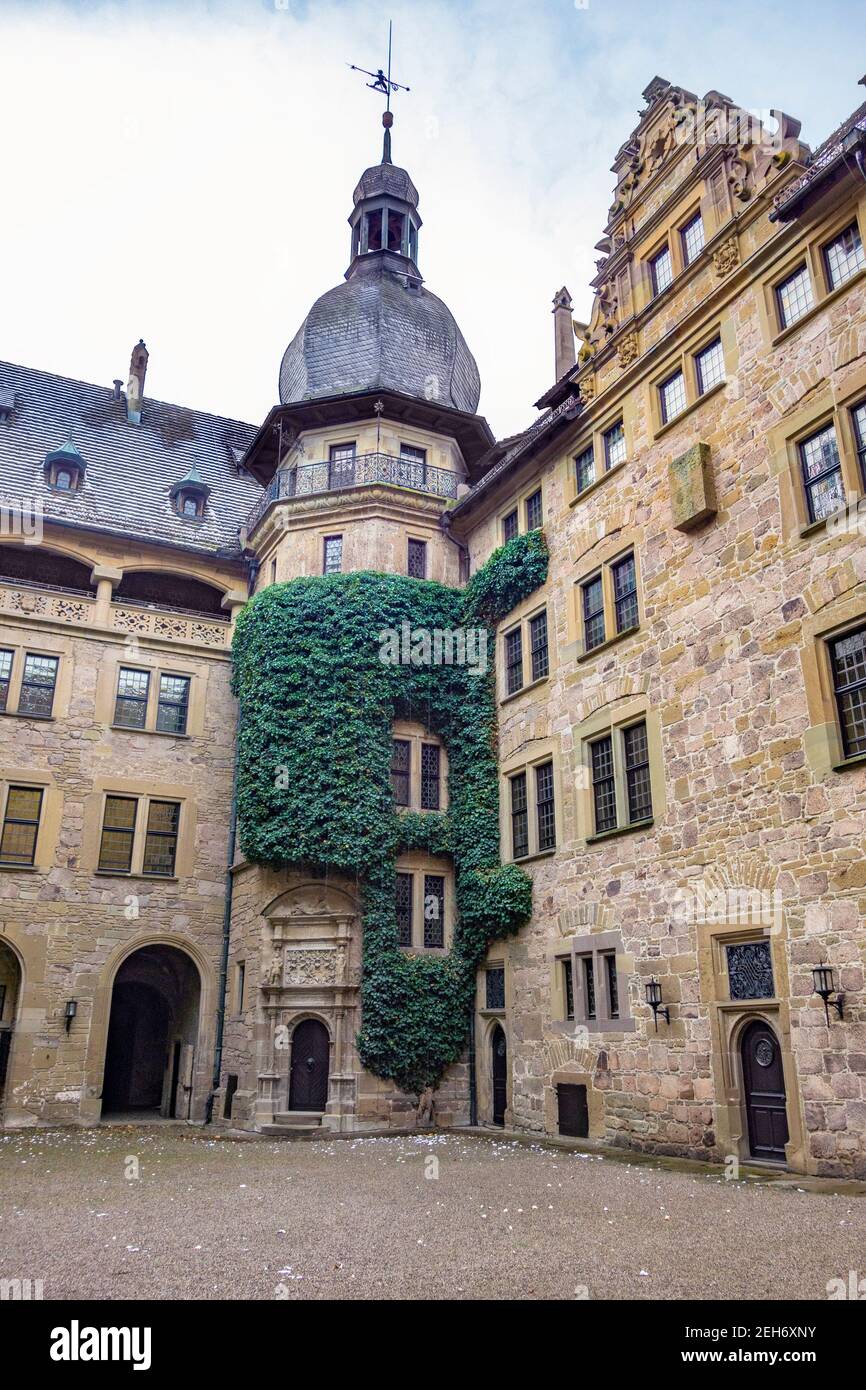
823 739
417 865
139 832
415 734
414 540
326 541
143 792
785 440
20 651
545 753
155 673
496 962
686 362
50 812
613 719
619 413
809 250
523 626
604 568
517 503
595 946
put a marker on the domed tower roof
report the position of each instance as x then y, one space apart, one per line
381 329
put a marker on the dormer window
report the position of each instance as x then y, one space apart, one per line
64 468
189 496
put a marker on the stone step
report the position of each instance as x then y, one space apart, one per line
291 1131
302 1118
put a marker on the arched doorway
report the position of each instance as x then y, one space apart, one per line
308 1075
764 1092
152 1032
10 989
499 1061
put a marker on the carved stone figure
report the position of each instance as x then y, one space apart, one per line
424 1112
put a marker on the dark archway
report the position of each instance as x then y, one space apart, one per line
308 1075
34 564
10 989
764 1092
152 1032
499 1063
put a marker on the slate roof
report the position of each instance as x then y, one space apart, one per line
373 332
129 469
822 164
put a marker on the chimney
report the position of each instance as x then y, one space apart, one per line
135 385
563 332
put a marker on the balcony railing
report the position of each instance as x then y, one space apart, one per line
364 469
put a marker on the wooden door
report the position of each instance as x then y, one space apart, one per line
764 1089
499 1050
308 1081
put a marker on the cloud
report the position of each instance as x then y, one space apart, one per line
183 173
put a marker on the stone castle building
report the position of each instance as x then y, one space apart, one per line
681 706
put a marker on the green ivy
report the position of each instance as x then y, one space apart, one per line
314 790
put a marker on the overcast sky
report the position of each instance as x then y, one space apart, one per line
183 172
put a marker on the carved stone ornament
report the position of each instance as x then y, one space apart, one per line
628 350
586 390
726 257
311 967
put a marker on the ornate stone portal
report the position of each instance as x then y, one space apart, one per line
312 969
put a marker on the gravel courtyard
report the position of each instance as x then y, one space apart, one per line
368 1218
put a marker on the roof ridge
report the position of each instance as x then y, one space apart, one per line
151 400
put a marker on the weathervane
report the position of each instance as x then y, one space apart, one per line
386 85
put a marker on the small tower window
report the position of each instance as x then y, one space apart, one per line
63 480
64 468
396 223
189 496
374 230
190 505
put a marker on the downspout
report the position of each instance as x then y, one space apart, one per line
227 910
224 954
445 521
473 1080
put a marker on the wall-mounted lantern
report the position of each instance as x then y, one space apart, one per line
825 985
654 999
70 1011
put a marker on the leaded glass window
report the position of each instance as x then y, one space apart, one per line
510 526
173 703
130 706
614 446
494 987
612 985
637 772
750 970
332 558
858 417
519 816
539 655
593 613
513 661
568 987
417 559
603 784
625 593
160 841
533 511
403 903
118 833
672 394
5 676
662 270
430 776
401 751
20 825
848 660
584 469
341 465
37 685
822 473
589 985
693 239
545 807
844 256
434 910
710 366
794 297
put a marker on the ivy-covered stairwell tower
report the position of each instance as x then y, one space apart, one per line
368 884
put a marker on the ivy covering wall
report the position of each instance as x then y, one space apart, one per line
314 792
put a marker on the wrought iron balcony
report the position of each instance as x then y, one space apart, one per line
335 475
